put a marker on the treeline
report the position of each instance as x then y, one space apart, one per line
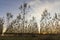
20 24
48 24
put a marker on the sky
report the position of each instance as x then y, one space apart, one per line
37 6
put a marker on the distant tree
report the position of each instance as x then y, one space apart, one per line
9 15
33 28
55 15
44 23
1 24
23 9
18 24
9 25
19 17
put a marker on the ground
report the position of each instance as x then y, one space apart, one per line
32 37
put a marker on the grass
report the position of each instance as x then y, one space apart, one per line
31 37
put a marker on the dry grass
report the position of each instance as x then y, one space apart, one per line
31 37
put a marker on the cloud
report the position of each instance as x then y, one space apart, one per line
38 6
49 0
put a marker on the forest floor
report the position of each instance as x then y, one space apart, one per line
31 37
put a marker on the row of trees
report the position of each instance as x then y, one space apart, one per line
20 24
48 24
